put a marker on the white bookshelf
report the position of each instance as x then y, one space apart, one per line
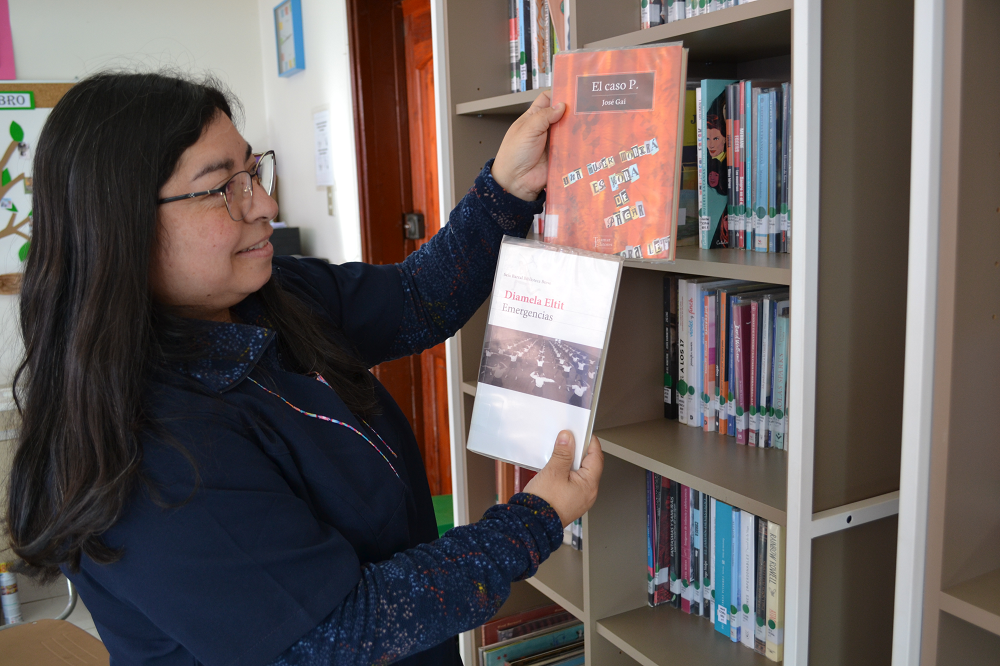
836 490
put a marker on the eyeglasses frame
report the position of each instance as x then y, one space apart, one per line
222 190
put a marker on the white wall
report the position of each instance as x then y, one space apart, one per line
291 102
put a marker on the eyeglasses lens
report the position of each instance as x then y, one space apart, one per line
265 172
239 195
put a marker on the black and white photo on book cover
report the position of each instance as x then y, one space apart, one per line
540 371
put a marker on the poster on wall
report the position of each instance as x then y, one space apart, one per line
20 126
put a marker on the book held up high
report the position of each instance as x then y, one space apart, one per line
615 157
543 353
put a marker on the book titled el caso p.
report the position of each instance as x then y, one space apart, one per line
615 157
549 322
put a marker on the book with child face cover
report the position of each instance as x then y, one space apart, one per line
543 354
614 175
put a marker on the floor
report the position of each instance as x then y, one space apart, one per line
40 602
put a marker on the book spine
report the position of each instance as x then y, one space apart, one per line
707 367
736 220
774 180
694 356
731 154
780 379
703 220
682 352
775 648
721 571
533 64
515 76
670 347
650 541
748 124
721 380
786 166
707 602
644 14
675 10
742 367
760 586
547 43
761 177
764 395
735 587
522 44
748 576
578 534
753 436
664 539
686 587
675 545
696 527
731 364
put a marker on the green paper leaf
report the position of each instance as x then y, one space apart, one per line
13 208
5 177
22 254
16 133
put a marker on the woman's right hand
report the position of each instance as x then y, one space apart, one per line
571 493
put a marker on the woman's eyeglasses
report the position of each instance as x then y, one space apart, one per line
238 190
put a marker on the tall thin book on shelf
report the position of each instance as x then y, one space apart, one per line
615 159
543 353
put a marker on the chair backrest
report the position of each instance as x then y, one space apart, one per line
51 643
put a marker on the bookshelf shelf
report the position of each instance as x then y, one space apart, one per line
469 388
746 477
511 104
732 264
666 636
760 29
976 601
560 578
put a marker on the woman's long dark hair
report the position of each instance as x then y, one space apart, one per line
93 334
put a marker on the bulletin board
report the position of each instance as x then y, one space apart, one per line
22 126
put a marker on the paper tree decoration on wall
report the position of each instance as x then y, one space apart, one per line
14 227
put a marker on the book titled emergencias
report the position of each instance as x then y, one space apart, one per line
543 354
614 175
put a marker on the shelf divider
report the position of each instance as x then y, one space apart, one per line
770 267
747 477
976 601
665 635
509 104
560 578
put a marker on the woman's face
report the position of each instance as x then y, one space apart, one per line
716 142
204 264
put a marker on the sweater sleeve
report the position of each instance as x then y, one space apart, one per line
450 276
427 594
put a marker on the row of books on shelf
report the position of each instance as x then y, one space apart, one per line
726 358
543 636
538 29
713 560
736 165
511 480
654 13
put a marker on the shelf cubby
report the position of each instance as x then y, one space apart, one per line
976 601
560 578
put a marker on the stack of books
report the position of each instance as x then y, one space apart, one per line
713 560
726 358
658 12
544 636
537 30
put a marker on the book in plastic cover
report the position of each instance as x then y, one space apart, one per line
615 157
543 354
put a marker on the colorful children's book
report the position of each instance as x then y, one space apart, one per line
683 353
615 157
675 545
775 648
761 176
723 566
523 646
741 368
714 224
490 632
687 214
515 48
686 586
696 570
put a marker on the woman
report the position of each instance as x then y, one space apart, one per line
204 452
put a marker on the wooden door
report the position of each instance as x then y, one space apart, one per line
393 83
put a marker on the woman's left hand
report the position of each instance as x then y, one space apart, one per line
522 163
